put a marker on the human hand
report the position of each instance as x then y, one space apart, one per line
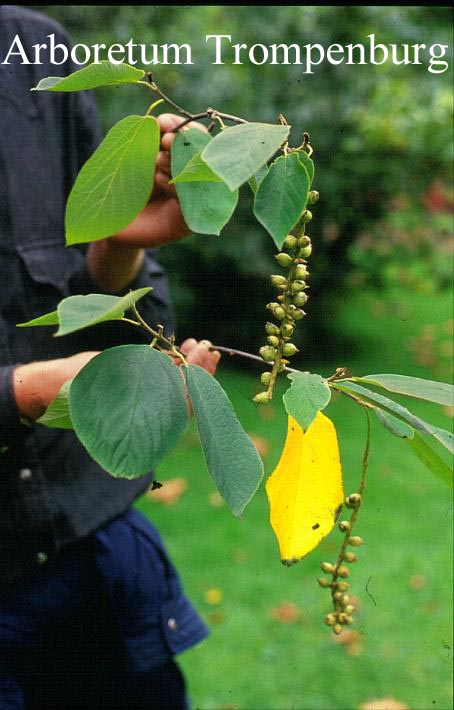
36 384
161 221
199 353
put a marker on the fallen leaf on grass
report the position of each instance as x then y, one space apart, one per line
240 556
286 613
266 412
262 445
215 499
417 582
216 617
214 595
170 492
383 704
351 640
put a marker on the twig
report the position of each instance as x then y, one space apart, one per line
248 356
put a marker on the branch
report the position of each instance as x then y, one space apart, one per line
248 356
209 113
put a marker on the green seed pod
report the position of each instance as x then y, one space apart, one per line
349 619
343 572
343 617
272 306
350 557
327 567
298 286
324 582
337 596
305 252
300 299
349 609
342 586
306 216
330 619
345 599
301 272
273 340
265 378
353 500
287 330
344 526
267 353
313 197
295 313
355 541
261 398
279 313
281 367
278 280
283 260
303 241
272 329
337 628
289 349
290 242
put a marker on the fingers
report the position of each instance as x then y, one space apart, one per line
199 353
168 122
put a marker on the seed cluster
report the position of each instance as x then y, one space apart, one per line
343 608
288 307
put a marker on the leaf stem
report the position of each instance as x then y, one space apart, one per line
242 353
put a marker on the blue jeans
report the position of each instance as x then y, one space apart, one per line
98 629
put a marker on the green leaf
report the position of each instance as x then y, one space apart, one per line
196 170
57 415
77 312
438 392
282 196
128 408
206 206
308 164
431 459
92 76
444 437
237 153
394 425
47 319
256 179
231 457
307 395
115 184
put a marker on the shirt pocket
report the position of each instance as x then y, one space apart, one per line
51 264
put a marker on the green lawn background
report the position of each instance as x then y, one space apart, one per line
253 661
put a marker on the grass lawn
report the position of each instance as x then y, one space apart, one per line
269 648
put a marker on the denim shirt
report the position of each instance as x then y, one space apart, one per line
52 493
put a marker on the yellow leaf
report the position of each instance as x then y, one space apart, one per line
305 490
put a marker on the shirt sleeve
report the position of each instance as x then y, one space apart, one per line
12 427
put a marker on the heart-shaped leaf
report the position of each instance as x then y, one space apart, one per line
238 152
115 184
232 459
206 206
90 77
128 407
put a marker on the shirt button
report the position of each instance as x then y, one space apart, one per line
41 557
25 474
172 624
